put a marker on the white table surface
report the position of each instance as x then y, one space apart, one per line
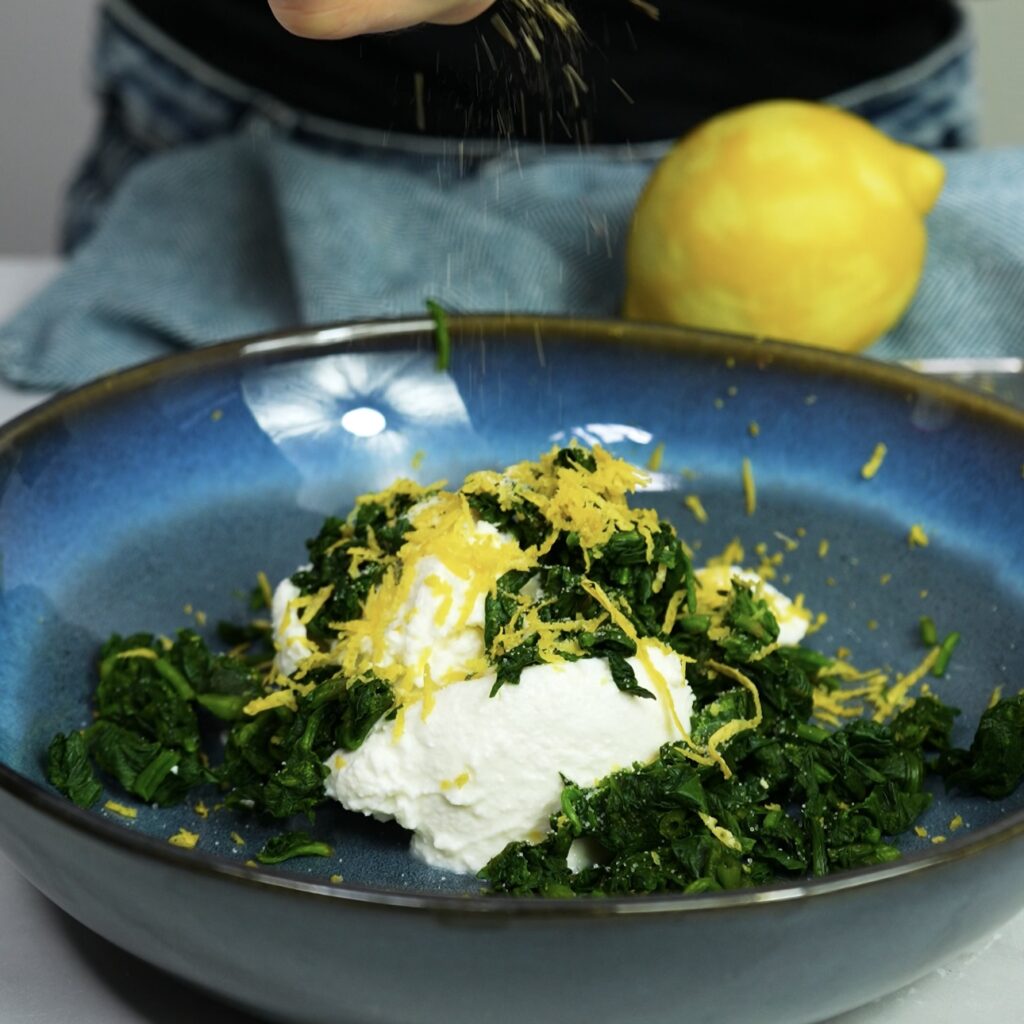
53 970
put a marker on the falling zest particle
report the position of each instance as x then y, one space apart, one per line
649 9
696 506
749 488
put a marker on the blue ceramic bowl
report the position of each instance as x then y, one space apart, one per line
149 501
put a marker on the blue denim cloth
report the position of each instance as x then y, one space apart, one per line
207 212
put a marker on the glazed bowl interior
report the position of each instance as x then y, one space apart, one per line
149 501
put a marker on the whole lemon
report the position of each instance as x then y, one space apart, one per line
783 219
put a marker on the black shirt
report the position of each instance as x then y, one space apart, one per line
639 78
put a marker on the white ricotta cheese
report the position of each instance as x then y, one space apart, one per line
480 771
289 633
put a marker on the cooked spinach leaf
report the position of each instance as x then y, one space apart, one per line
994 765
442 336
276 761
291 844
145 768
624 677
69 770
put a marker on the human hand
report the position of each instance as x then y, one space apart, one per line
340 19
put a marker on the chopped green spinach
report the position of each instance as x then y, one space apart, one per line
994 765
68 768
442 336
151 703
291 844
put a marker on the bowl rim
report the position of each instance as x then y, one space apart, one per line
317 340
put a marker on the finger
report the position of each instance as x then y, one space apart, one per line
461 14
334 19
341 19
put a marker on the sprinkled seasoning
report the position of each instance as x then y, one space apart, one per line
421 107
917 538
651 10
625 95
505 33
265 592
874 464
122 809
749 488
185 839
696 506
533 75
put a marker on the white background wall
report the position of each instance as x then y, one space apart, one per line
46 115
